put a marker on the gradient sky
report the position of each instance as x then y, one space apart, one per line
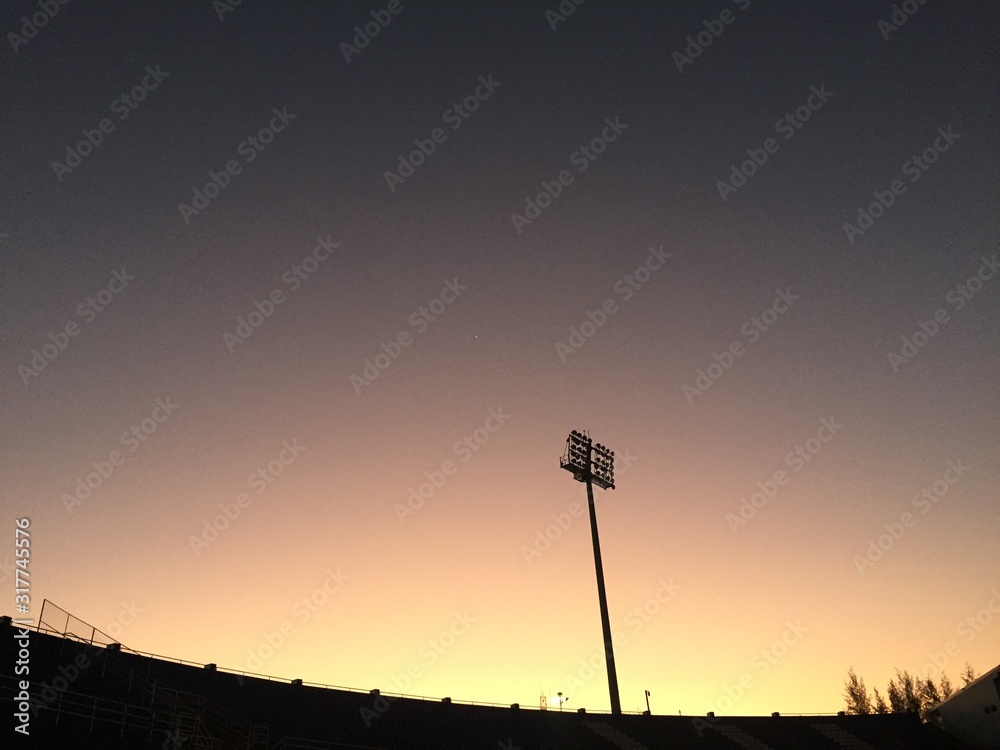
786 599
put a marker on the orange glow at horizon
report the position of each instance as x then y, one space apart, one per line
486 590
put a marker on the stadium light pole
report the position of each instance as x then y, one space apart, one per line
594 463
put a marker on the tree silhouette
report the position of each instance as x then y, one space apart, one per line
880 707
906 693
896 702
856 694
946 689
929 696
909 690
969 675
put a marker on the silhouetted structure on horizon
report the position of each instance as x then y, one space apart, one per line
594 463
91 694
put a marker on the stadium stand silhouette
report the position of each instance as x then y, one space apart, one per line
90 693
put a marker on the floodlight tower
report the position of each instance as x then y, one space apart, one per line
593 463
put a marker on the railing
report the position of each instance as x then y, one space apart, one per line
48 620
207 724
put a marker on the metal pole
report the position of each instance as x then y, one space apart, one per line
609 653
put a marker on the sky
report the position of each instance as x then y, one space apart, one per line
300 302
